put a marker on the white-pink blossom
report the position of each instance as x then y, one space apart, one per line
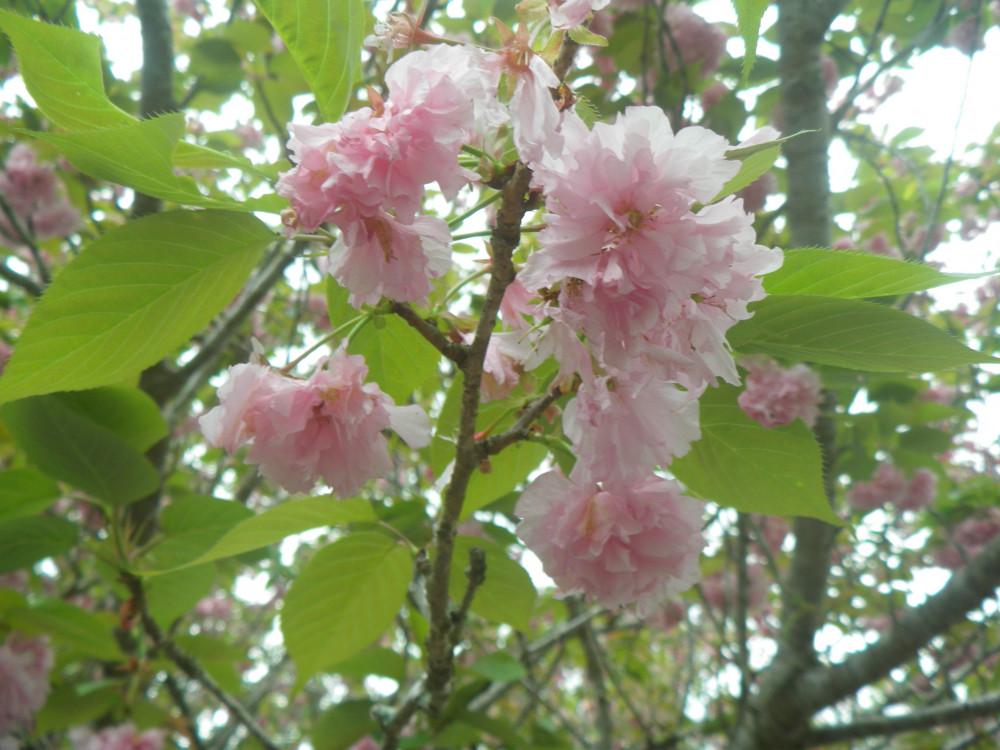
623 426
378 256
641 274
567 14
693 39
775 395
32 193
636 542
25 663
299 431
121 737
888 486
503 364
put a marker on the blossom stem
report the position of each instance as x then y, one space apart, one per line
468 279
488 232
457 221
353 323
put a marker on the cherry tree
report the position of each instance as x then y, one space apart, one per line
491 374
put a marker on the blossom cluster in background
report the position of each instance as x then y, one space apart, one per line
37 208
25 663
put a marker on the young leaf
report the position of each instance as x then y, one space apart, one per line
344 598
845 273
399 359
324 37
748 16
25 541
505 471
739 463
69 443
68 626
131 297
24 492
192 526
848 333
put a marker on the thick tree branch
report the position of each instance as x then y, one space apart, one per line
521 429
923 718
451 349
964 592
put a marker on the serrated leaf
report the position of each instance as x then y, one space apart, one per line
139 155
748 16
324 37
68 626
25 541
848 333
70 444
131 297
345 597
507 594
399 359
852 274
61 68
25 492
739 463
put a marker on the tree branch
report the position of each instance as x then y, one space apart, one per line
451 349
595 676
924 718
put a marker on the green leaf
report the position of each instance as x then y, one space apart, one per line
217 657
68 626
126 411
139 155
507 595
381 661
499 667
25 492
846 273
62 71
131 297
754 161
25 541
70 444
174 594
345 597
848 333
324 37
192 526
71 705
739 463
506 471
582 35
399 359
748 16
289 518
343 724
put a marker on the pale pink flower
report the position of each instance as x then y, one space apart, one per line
776 395
365 743
215 606
921 491
886 486
560 341
32 192
637 542
722 588
642 275
504 363
624 426
329 426
755 194
25 664
714 94
122 737
697 40
378 256
567 14
515 305
187 8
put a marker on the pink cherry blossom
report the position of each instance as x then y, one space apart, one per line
885 487
642 275
32 192
776 396
637 542
921 491
25 663
328 426
122 737
694 38
503 364
567 14
378 256
623 426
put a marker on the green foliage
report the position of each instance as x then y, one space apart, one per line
324 37
739 463
848 333
507 595
25 492
844 273
88 635
132 297
343 599
192 526
748 15
70 437
25 541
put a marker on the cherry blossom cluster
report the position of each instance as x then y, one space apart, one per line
888 486
31 192
25 663
328 426
776 395
122 737
638 274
